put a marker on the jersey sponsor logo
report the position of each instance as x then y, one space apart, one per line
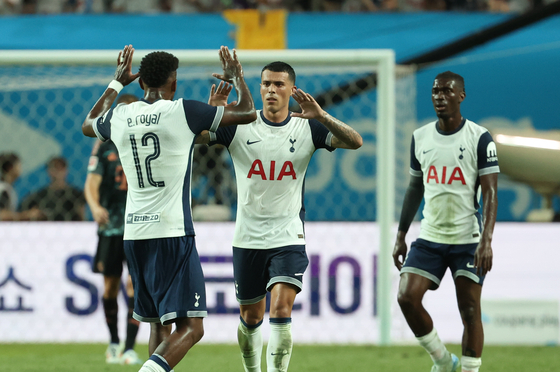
92 164
258 169
144 119
137 218
440 177
491 153
251 142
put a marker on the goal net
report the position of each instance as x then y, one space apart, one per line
45 96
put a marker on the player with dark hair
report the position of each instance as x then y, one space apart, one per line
155 139
452 160
105 192
270 157
10 170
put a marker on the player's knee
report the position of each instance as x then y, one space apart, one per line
251 318
407 301
470 313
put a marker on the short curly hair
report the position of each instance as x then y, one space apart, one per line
156 67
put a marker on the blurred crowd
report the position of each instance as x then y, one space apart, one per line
214 6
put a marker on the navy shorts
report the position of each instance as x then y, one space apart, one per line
167 278
431 260
110 256
256 270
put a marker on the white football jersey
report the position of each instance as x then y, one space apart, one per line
270 161
155 143
451 165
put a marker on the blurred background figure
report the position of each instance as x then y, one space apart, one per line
58 201
10 170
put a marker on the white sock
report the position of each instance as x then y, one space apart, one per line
433 345
470 364
250 342
280 344
151 366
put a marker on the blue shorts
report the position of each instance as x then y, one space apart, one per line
256 270
167 278
431 260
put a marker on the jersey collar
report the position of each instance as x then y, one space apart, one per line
276 124
463 121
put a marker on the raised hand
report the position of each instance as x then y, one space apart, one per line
230 64
219 95
310 109
124 74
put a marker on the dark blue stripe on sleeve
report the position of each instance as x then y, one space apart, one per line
224 135
200 115
486 151
104 124
319 135
414 163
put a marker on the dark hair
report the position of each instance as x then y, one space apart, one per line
279 66
57 160
448 75
157 67
7 162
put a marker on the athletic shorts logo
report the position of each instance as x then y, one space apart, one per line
470 265
136 218
196 297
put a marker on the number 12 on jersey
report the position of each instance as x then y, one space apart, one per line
155 143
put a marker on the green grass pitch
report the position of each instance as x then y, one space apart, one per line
305 358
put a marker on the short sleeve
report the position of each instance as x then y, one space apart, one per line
102 126
321 136
201 116
415 167
487 156
224 135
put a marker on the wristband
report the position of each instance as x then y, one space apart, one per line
116 86
212 136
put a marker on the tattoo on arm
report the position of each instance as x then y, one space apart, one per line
344 135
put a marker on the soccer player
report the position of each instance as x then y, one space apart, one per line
270 157
154 138
452 160
105 192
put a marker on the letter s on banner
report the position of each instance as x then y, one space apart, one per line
91 288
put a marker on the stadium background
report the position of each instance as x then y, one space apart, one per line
511 83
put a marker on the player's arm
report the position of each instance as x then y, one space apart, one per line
91 193
483 256
412 199
243 111
344 136
218 97
124 76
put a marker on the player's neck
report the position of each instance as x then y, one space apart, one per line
276 117
450 124
154 94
